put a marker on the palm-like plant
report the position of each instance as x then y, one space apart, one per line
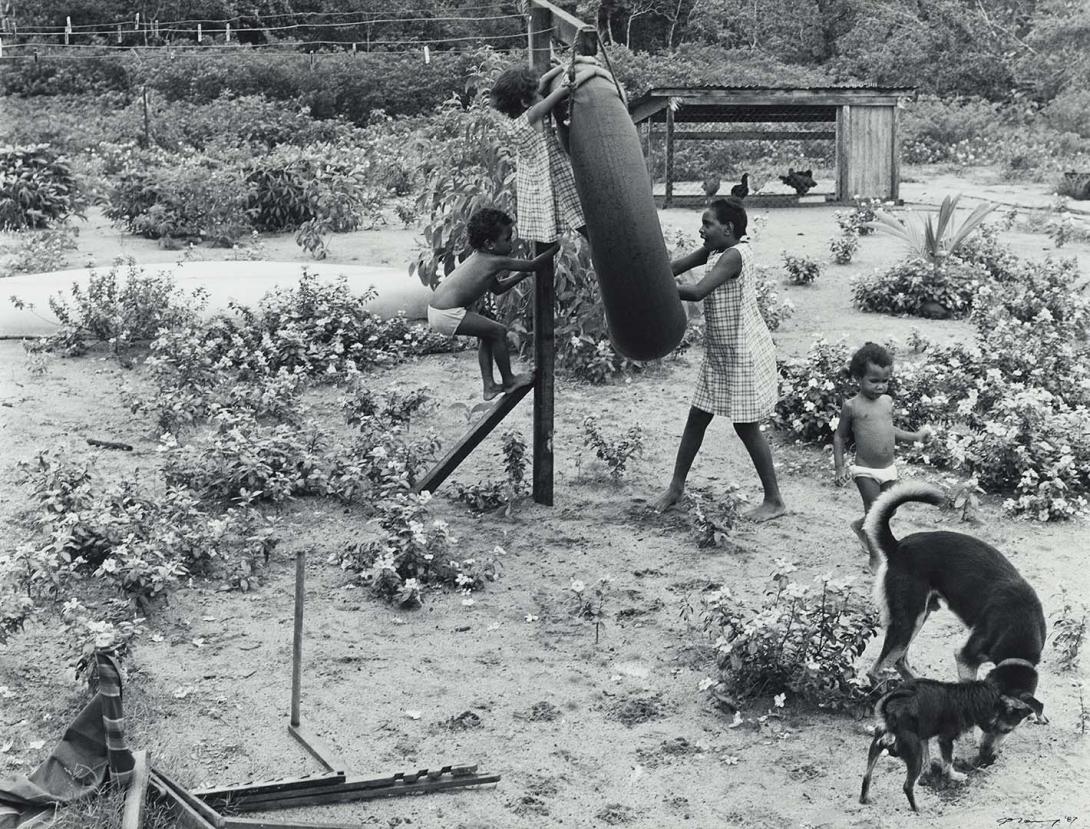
930 241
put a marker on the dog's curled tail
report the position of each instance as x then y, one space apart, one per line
876 525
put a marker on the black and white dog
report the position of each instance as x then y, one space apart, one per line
920 709
1005 620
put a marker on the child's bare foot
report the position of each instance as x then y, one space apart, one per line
491 390
857 528
518 381
670 497
766 511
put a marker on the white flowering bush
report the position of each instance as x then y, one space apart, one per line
812 392
774 306
916 288
800 638
411 553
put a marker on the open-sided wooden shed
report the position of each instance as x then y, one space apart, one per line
862 121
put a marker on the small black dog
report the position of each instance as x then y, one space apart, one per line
984 590
919 709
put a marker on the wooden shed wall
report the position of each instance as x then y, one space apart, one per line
867 152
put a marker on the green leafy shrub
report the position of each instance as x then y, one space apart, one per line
915 287
119 307
802 640
712 518
484 496
37 188
294 185
245 461
409 555
40 251
614 450
120 536
843 247
182 196
801 270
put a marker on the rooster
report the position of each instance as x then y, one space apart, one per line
710 186
801 180
740 191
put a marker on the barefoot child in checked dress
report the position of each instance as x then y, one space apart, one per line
738 378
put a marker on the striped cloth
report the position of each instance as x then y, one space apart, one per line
544 184
92 749
738 378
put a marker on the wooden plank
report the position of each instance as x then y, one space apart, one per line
783 97
842 161
669 156
544 385
317 748
132 816
756 135
185 816
189 800
566 27
895 156
478 432
643 110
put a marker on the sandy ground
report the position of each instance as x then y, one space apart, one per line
583 733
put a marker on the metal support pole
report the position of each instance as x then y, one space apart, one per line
297 641
541 21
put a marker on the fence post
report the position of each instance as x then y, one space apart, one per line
541 22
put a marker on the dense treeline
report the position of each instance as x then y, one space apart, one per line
996 49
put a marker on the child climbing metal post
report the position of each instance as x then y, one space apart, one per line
491 235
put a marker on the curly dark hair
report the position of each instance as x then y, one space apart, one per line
869 354
486 225
730 210
512 88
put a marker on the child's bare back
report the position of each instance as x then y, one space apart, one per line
469 281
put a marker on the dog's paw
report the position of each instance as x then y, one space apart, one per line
982 761
956 777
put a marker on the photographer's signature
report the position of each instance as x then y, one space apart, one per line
1067 820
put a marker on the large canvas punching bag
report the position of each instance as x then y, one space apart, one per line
643 311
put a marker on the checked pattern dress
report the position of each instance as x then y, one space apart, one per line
544 184
738 379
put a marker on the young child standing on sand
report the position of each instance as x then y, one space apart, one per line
867 421
738 378
491 235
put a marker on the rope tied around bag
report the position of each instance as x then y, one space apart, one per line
571 74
